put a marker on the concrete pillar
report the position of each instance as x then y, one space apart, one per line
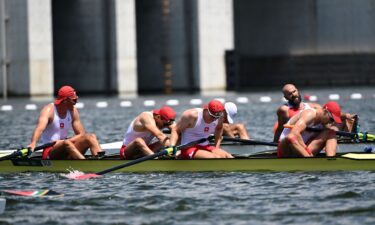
126 47
215 36
27 36
40 47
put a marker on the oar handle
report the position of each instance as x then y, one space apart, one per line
165 151
248 141
26 151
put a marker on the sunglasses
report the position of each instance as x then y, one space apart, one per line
215 115
74 100
167 122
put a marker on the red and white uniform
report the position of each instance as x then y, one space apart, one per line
306 135
131 135
58 129
293 110
200 130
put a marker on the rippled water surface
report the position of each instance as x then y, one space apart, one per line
190 198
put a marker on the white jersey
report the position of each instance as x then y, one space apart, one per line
306 135
58 129
131 135
200 130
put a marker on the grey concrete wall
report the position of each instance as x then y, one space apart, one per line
346 26
313 42
193 40
165 41
17 47
84 45
304 26
28 41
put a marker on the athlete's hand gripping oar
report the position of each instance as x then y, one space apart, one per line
164 151
248 141
25 151
364 137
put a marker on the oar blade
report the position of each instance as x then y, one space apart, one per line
78 175
32 193
86 176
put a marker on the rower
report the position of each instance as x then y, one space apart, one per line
54 123
138 137
298 142
232 129
295 105
199 123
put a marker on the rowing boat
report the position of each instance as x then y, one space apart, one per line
231 147
259 162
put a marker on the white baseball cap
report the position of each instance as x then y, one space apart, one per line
231 110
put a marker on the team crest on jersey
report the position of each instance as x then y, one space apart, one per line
206 129
62 125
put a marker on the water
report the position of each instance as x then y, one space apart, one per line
190 198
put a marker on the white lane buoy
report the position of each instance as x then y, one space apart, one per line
80 105
172 102
102 104
242 100
149 103
265 99
313 98
6 108
334 97
125 103
30 107
356 96
196 101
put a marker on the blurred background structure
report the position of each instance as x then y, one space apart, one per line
131 47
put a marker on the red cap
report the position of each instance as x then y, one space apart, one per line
334 108
215 106
167 113
65 92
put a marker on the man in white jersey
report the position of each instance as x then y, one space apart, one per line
232 129
147 125
198 123
54 122
296 141
295 105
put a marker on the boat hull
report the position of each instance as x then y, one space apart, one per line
204 165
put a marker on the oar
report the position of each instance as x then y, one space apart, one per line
25 151
165 151
248 141
360 136
33 193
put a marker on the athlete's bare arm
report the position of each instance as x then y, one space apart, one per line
219 132
282 118
76 122
295 136
187 120
149 124
45 117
